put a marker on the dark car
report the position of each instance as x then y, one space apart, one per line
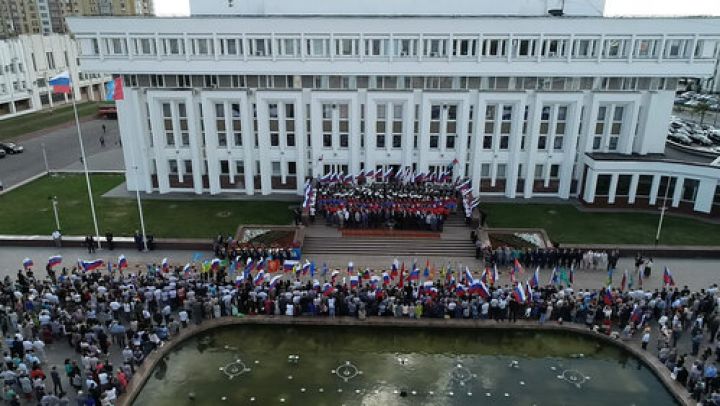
2 153
11 148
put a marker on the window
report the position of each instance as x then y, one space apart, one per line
616 48
221 124
236 124
292 168
435 48
489 126
239 167
317 47
524 47
505 125
501 172
451 126
173 167
168 125
553 48
584 48
554 171
485 170
202 47
260 47
435 111
115 46
646 48
464 48
344 125
539 169
231 46
675 48
287 47
188 167
173 46
50 60
224 167
405 48
494 48
276 169
397 125
377 47
327 124
346 47
560 128
144 46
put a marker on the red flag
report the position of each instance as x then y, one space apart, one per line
402 276
119 93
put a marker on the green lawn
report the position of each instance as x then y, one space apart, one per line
27 210
17 126
565 224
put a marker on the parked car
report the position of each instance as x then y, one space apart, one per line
2 153
680 139
700 139
11 147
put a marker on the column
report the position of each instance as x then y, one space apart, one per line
354 134
531 143
263 144
477 144
463 116
633 188
248 143
590 185
424 141
211 148
191 107
705 195
161 159
515 139
677 193
571 140
613 188
654 189
301 141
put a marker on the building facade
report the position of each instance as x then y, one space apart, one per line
19 17
257 96
27 62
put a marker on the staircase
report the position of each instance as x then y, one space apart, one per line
454 242
314 246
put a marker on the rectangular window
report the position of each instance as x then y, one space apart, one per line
501 172
260 47
276 171
291 168
554 171
230 47
485 170
346 47
287 47
317 47
173 167
405 48
173 46
202 47
188 167
239 167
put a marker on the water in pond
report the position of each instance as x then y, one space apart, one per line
392 366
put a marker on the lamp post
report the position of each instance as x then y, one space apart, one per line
54 202
662 211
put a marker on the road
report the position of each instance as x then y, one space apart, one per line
63 150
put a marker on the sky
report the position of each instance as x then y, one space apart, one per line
612 8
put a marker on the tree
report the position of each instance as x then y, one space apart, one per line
701 108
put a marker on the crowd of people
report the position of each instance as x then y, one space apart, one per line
97 313
385 205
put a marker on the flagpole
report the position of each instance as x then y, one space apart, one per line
137 196
87 175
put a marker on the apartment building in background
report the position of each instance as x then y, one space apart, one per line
48 16
527 98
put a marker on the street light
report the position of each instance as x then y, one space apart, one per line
53 200
662 211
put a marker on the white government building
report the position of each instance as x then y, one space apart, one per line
27 62
255 96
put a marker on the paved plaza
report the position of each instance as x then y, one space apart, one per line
695 273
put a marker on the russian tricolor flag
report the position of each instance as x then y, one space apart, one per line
608 297
334 276
306 267
289 265
274 281
374 282
259 278
122 262
414 274
354 281
519 293
529 291
261 264
667 277
328 289
54 261
350 268
164 265
386 278
366 274
27 263
535 280
115 89
92 265
460 290
61 83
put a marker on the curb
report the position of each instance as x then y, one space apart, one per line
143 372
